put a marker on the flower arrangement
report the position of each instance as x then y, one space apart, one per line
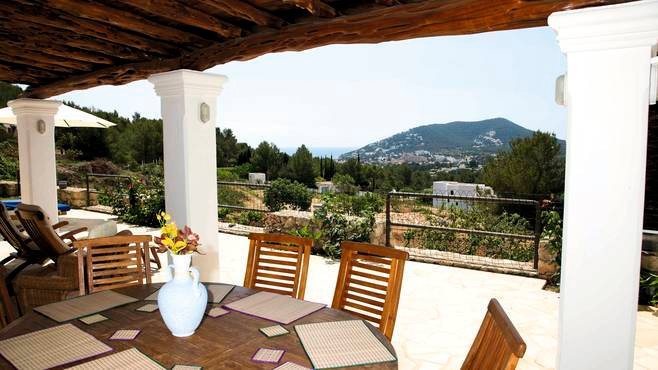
175 240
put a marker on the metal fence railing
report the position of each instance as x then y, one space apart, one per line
242 196
100 183
434 216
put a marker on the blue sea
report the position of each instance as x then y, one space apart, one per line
322 151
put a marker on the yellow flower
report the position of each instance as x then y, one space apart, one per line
158 217
170 230
166 217
179 245
168 242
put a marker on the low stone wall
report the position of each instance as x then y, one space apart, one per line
76 197
8 189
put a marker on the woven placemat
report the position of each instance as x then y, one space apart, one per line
83 306
291 366
274 307
341 343
274 331
51 347
124 360
93 319
216 293
268 355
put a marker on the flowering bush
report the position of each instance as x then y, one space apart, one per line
173 239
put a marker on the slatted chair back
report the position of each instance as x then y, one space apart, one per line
498 345
113 262
40 229
9 231
369 283
278 263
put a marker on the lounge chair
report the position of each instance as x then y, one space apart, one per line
39 228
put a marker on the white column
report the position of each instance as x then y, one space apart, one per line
35 123
608 52
190 164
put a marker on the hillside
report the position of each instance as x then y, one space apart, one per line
448 142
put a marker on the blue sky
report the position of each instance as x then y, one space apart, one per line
351 95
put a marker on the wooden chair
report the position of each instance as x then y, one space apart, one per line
497 345
39 228
113 262
278 263
7 313
369 283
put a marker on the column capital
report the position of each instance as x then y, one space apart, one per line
187 82
633 24
34 106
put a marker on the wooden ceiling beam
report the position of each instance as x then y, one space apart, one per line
243 10
13 41
315 7
23 75
34 14
405 21
181 13
45 59
126 20
16 58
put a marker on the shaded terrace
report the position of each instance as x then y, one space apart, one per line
64 45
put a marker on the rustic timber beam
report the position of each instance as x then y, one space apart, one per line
386 2
315 7
13 41
34 14
21 74
6 57
38 58
53 50
129 21
181 13
400 22
243 10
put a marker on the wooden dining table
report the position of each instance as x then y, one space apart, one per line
225 342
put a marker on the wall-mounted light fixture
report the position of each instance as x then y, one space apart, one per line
41 126
204 112
561 90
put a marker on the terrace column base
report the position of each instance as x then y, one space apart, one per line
189 111
35 123
608 52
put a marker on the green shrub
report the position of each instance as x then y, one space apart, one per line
648 288
8 160
354 205
230 196
222 213
336 227
226 174
345 184
284 193
139 203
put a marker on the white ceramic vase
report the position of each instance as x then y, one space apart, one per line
183 299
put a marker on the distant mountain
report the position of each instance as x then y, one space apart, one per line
444 142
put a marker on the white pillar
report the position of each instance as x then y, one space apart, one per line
190 164
35 123
608 52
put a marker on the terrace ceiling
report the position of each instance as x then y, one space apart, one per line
56 46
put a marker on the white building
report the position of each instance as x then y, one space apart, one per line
257 178
459 189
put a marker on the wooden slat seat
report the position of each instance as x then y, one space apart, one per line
278 263
369 283
113 262
498 345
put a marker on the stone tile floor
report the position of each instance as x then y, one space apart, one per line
441 307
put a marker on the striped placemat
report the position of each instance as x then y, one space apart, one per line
83 306
341 343
125 360
216 293
51 347
274 307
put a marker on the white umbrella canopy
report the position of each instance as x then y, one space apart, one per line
65 117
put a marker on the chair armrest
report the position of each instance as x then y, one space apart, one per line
60 224
71 234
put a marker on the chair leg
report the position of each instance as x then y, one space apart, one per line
156 259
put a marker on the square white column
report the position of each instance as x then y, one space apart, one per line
190 162
35 123
608 52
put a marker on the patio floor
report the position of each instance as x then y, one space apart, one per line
441 307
